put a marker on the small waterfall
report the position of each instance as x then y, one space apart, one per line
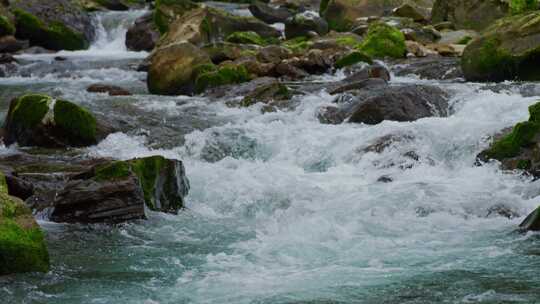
111 29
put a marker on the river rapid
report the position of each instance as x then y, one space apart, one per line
284 209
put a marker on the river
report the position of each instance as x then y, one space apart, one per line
284 209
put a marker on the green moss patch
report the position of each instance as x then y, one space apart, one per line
117 170
298 44
6 27
521 6
228 74
383 40
29 110
246 38
148 170
352 58
167 10
77 122
22 245
3 184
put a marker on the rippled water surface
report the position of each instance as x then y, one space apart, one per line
284 209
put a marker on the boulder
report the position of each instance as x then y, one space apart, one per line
143 35
215 76
173 69
223 51
507 50
209 25
269 14
10 44
408 10
7 27
518 148
458 37
383 40
352 58
431 67
40 120
532 221
469 14
342 14
248 37
424 35
167 11
113 5
109 89
303 24
22 245
54 24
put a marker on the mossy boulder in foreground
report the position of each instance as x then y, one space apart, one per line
518 148
508 50
22 246
53 24
40 120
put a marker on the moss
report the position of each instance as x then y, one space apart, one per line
246 38
204 68
489 59
383 40
323 6
228 74
348 41
6 27
30 109
465 40
534 112
166 10
353 58
509 146
113 171
524 164
521 6
298 44
22 245
75 121
56 35
148 170
3 184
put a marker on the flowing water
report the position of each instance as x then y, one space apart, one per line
284 209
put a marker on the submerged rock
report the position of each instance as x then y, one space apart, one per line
22 245
53 24
109 89
40 120
508 50
532 221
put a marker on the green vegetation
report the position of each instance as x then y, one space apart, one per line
3 184
114 171
353 58
465 40
521 6
29 110
247 38
227 74
6 27
488 59
78 123
148 170
298 44
22 246
383 40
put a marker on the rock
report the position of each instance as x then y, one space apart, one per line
270 92
40 120
9 44
447 50
518 149
223 51
408 10
358 85
7 58
469 14
424 35
273 54
458 37
383 40
508 50
167 11
396 103
330 115
215 76
288 69
7 27
417 50
444 26
371 71
109 89
432 67
302 24
502 210
172 69
34 50
248 37
113 5
117 191
53 24
209 25
532 221
22 245
143 35
342 14
269 14
352 58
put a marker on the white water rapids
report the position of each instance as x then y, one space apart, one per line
284 209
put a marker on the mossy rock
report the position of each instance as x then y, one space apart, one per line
507 50
352 58
248 37
55 25
223 75
532 221
6 26
3 184
522 6
22 245
166 11
298 45
383 40
78 124
523 135
39 120
267 93
469 14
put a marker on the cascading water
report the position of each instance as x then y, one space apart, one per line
284 209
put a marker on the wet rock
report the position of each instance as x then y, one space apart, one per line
9 44
214 76
172 69
60 58
383 40
369 83
39 120
352 58
424 35
301 25
22 245
35 50
384 142
458 37
469 14
208 25
416 49
54 24
6 58
408 10
109 89
273 54
330 115
271 93
508 50
269 14
502 210
143 35
532 221
385 179
441 68
518 148
113 5
288 68
165 12
397 103
223 51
